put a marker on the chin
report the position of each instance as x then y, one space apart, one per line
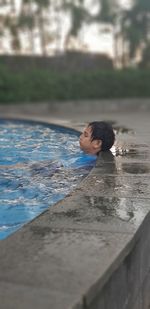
82 148
85 150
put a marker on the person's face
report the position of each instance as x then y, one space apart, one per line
86 143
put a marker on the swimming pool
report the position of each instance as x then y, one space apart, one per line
39 165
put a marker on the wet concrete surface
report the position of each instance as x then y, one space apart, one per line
69 252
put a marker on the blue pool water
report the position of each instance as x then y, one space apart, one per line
39 165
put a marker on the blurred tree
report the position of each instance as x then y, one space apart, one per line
15 40
34 17
11 25
130 28
8 24
108 10
41 9
145 62
109 19
26 21
1 31
78 14
13 6
136 28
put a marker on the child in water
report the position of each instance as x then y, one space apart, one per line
97 136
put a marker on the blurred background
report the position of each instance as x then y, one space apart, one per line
74 50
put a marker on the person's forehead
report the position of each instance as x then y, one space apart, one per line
88 129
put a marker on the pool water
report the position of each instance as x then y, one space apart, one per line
39 165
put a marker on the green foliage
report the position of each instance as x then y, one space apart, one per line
26 21
142 4
108 10
145 63
42 85
42 3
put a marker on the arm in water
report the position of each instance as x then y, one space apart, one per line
47 168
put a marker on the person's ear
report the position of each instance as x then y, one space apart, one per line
97 144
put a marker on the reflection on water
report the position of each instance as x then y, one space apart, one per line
136 168
130 151
114 190
122 130
123 208
112 206
92 209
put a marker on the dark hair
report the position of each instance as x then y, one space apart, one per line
103 131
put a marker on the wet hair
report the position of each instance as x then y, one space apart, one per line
103 131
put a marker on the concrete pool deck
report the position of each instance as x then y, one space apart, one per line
92 249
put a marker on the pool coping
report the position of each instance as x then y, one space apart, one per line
35 250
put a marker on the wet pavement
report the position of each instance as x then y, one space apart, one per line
68 254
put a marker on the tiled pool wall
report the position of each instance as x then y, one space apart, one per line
91 250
